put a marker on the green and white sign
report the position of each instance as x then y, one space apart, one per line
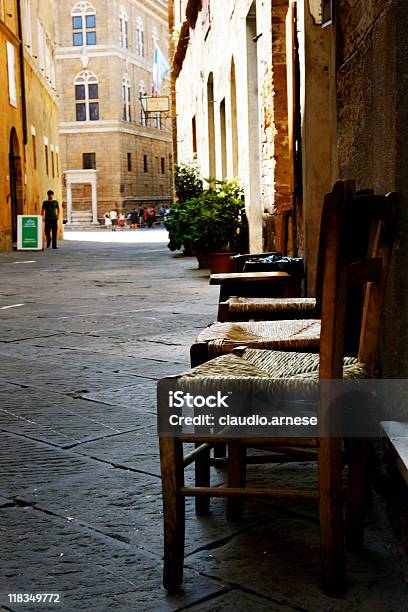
29 233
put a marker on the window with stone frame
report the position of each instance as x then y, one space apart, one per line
155 37
83 25
87 96
123 28
140 50
126 100
157 121
142 94
89 161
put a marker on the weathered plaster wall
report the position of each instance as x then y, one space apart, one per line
318 130
373 137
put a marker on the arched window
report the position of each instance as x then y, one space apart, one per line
142 92
123 28
155 37
127 112
83 24
87 96
139 37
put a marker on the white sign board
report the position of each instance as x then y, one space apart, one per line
29 233
157 104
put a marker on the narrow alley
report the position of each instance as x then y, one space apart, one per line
86 332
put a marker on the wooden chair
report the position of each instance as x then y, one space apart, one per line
339 275
294 323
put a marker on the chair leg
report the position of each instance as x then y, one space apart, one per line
202 479
357 494
172 472
236 478
331 517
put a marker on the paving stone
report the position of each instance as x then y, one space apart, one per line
138 349
140 396
137 450
4 501
242 602
83 454
282 562
117 502
43 554
64 421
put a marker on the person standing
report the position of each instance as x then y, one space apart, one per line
134 218
114 218
122 220
108 221
151 218
50 213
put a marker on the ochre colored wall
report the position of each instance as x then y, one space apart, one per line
42 117
10 117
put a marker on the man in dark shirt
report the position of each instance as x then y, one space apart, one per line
50 211
134 217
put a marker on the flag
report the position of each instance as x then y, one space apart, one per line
161 69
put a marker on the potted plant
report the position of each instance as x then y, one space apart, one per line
188 185
214 224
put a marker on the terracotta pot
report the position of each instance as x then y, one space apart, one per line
221 263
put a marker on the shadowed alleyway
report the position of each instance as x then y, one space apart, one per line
86 332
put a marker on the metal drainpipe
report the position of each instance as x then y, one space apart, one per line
22 74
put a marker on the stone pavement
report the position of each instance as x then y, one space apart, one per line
85 334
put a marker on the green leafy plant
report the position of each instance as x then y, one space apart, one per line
214 221
187 181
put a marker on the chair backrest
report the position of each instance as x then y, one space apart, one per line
357 253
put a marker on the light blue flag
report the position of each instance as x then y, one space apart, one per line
161 69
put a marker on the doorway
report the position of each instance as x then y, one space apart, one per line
16 183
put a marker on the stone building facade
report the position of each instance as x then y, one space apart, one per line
104 64
29 144
289 99
232 101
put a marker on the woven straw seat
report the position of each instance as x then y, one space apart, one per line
265 364
271 308
296 335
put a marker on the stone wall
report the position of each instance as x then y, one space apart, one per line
372 136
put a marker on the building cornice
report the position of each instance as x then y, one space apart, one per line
9 33
71 127
192 10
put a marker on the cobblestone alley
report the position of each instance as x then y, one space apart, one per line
86 332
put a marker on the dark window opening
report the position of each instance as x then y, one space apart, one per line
145 164
81 112
129 162
89 161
